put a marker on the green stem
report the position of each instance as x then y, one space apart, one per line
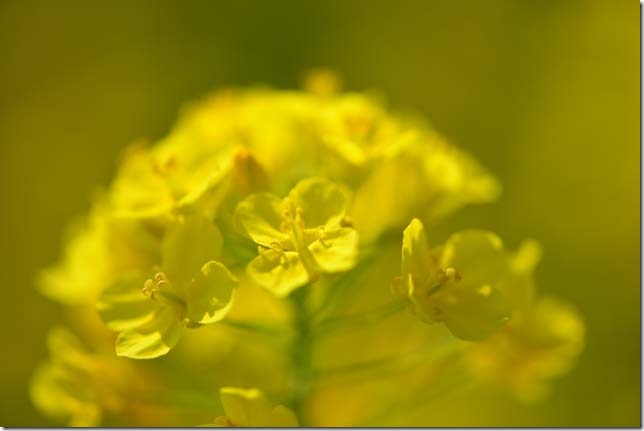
390 364
364 318
301 352
182 400
342 288
451 379
254 327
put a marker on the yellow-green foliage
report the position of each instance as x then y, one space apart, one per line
258 246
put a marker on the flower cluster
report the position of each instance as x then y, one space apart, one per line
258 246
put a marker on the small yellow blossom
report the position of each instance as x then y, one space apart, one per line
300 236
468 283
78 387
154 183
432 180
98 248
191 289
525 357
249 408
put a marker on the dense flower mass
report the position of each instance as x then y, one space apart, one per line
258 246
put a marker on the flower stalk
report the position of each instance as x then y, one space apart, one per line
301 353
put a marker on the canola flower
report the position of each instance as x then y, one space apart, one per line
249 408
468 283
290 253
253 258
80 387
190 290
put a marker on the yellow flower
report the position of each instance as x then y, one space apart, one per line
418 174
191 289
249 408
299 237
524 357
152 183
98 248
470 283
78 387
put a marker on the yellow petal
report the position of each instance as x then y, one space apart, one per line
477 256
417 258
249 408
210 295
279 272
188 245
152 339
336 251
259 217
122 305
321 202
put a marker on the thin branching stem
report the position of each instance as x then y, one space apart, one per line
262 328
342 287
389 364
364 318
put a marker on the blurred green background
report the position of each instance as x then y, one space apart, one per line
544 93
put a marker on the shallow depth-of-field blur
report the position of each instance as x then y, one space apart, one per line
545 95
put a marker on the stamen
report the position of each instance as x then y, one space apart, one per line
284 226
453 274
165 168
443 275
171 165
286 217
149 288
346 222
298 217
277 246
152 287
161 280
320 233
286 209
156 167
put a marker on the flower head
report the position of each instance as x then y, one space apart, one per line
191 289
301 177
470 283
300 236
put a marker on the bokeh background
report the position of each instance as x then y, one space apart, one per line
545 93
